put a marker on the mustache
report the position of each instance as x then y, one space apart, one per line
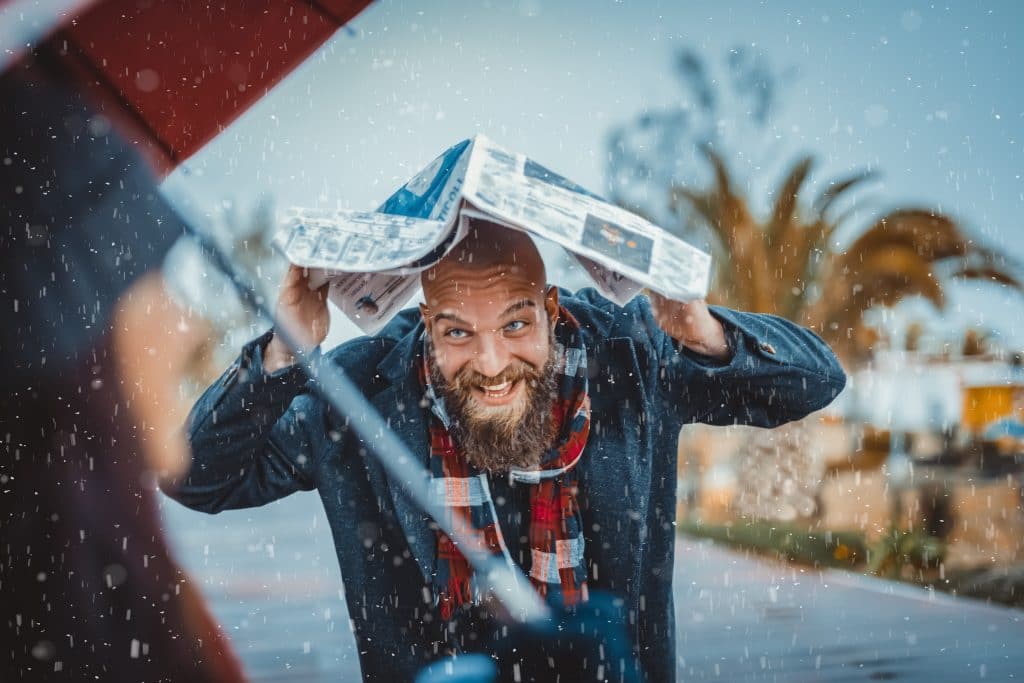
496 439
467 378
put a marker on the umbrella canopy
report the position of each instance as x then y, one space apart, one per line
174 74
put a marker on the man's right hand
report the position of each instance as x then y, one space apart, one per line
303 313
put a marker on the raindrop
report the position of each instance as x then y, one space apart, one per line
147 80
99 126
910 21
876 115
114 575
44 650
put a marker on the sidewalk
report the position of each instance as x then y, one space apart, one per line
273 581
744 618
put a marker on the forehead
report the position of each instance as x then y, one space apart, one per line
480 291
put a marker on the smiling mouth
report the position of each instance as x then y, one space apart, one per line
497 391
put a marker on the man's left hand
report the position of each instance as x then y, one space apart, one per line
691 324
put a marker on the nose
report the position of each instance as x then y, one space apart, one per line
491 355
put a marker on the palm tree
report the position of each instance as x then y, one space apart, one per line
787 265
786 262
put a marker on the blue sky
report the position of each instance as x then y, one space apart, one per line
927 93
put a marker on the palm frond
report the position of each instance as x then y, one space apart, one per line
934 236
722 179
788 265
705 204
836 189
989 274
786 201
798 265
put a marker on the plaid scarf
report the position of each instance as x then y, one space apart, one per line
557 568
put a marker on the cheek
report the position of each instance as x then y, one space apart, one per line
534 351
450 360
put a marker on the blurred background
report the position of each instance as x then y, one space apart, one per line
854 169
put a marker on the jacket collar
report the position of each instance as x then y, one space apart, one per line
396 365
410 424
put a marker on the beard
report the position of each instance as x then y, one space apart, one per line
496 438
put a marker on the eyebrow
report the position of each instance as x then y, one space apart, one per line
517 306
452 318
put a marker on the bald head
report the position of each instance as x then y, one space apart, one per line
488 248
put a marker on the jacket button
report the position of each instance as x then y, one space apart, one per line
766 347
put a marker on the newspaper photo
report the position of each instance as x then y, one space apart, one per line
372 260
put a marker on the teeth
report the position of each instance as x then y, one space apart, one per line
498 389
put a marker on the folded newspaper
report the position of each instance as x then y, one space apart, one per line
372 260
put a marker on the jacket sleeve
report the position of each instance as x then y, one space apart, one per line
778 372
251 437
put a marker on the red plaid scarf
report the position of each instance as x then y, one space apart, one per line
558 570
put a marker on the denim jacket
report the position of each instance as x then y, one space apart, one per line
258 437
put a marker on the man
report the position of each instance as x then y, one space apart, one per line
549 422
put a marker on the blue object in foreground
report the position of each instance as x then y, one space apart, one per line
463 669
586 642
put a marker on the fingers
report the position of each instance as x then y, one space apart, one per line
671 309
290 292
670 306
295 288
688 322
294 275
657 301
323 291
303 311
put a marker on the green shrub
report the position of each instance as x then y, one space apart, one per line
843 549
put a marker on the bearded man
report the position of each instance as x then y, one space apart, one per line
548 420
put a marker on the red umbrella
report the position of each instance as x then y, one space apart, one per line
172 74
175 73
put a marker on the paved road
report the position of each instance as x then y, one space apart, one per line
743 618
272 579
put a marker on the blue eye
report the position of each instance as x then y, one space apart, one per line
515 326
456 333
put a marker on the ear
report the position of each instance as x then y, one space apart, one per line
425 314
551 305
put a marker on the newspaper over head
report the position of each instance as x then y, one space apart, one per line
372 260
